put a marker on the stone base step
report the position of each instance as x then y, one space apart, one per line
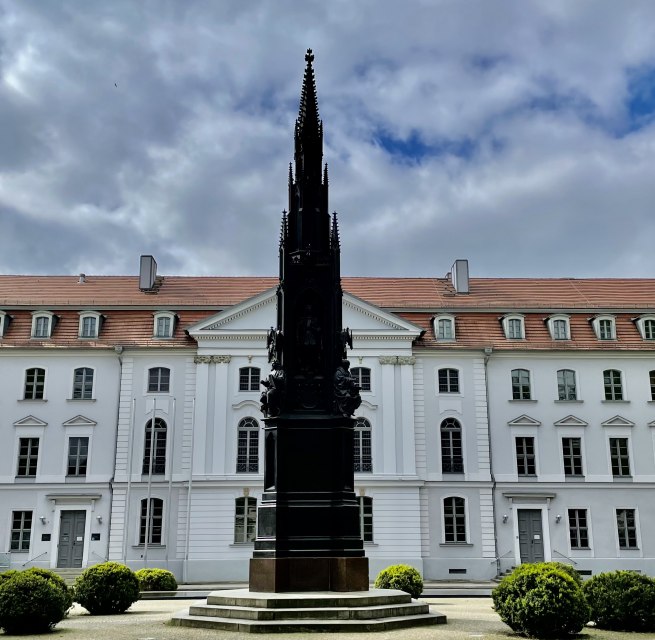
68 575
251 612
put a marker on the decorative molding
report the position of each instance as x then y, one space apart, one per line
80 421
30 421
411 360
617 421
524 421
571 421
212 359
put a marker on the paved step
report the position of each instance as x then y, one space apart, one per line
69 575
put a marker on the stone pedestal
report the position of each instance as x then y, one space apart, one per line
277 575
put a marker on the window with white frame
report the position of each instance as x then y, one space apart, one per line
604 327
245 519
363 377
152 521
646 327
42 324
651 378
21 531
626 526
89 325
4 323
78 453
249 378
525 456
612 384
444 328
164 324
362 454
366 518
83 383
521 384
578 529
572 456
159 379
248 446
28 457
454 517
620 457
154 447
452 458
514 327
559 327
566 387
448 380
34 384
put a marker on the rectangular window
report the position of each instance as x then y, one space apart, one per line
366 518
649 329
78 451
83 384
572 453
89 324
21 530
28 457
525 457
566 387
578 530
42 327
152 519
612 385
448 381
627 528
620 457
651 376
605 330
363 377
520 384
159 380
514 329
454 516
34 384
163 327
559 330
249 379
245 520
445 329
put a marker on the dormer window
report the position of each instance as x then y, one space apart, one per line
42 324
604 327
164 325
4 323
444 328
559 327
89 324
513 326
646 327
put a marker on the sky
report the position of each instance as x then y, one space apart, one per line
519 135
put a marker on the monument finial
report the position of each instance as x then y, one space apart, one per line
308 112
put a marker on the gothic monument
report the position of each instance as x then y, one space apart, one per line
308 534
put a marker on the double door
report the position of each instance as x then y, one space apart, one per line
71 539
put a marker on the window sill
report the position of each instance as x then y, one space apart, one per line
25 479
25 551
455 544
162 337
80 400
527 477
150 546
572 478
622 478
87 338
521 400
568 401
32 400
248 545
628 548
615 401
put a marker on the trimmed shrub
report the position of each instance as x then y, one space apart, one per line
621 600
402 577
10 573
559 566
30 603
106 588
156 580
541 601
55 579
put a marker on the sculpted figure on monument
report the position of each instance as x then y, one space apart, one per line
346 390
274 345
271 398
309 339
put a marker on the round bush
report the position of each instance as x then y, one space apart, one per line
10 573
54 579
541 601
106 588
30 603
622 600
402 577
156 580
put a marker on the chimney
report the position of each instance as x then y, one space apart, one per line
82 279
460 276
147 273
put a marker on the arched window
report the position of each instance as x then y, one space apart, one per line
612 384
363 458
83 384
154 448
520 384
452 460
151 522
249 379
248 446
363 377
159 380
448 381
34 384
245 519
454 519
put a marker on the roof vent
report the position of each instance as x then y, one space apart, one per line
82 279
460 276
147 273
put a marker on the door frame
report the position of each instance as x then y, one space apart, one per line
545 532
56 525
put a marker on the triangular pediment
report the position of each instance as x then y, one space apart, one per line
651 423
253 318
80 421
524 421
571 421
618 421
30 421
